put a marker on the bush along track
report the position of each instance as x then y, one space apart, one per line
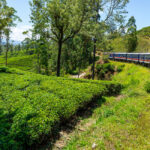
32 106
122 122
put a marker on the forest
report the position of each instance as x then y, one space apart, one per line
66 36
61 69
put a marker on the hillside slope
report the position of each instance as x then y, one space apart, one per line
23 62
122 122
119 44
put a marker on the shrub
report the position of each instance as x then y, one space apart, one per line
147 87
120 68
108 67
103 69
4 69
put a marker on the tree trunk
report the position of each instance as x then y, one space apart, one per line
59 57
94 58
39 64
0 43
79 72
7 49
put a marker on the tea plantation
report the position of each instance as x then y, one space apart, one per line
24 62
33 106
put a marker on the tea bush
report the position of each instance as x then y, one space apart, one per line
32 106
4 69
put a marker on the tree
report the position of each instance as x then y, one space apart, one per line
64 19
131 35
7 33
39 33
58 21
7 19
3 20
11 18
105 13
76 53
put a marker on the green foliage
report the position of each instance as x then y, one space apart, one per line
103 69
26 62
77 54
120 68
33 105
147 87
131 42
59 21
119 44
131 35
109 67
3 69
145 32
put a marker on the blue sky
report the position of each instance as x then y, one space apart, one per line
140 9
23 11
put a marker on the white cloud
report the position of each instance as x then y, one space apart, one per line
17 35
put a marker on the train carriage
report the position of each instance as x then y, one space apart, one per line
132 57
145 58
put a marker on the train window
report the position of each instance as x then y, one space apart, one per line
130 55
148 56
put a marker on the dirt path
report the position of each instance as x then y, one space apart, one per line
65 135
80 76
78 124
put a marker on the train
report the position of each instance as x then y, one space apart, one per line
143 58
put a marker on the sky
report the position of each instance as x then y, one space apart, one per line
140 9
23 11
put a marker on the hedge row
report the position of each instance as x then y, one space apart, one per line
32 106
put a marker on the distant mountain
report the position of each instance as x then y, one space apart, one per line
14 42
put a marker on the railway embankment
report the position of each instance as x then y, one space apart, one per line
122 122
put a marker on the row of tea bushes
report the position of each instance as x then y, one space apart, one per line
24 62
33 106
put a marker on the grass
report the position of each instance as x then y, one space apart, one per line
33 106
122 122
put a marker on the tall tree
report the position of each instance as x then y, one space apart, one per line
7 33
65 19
3 20
11 18
131 35
39 32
